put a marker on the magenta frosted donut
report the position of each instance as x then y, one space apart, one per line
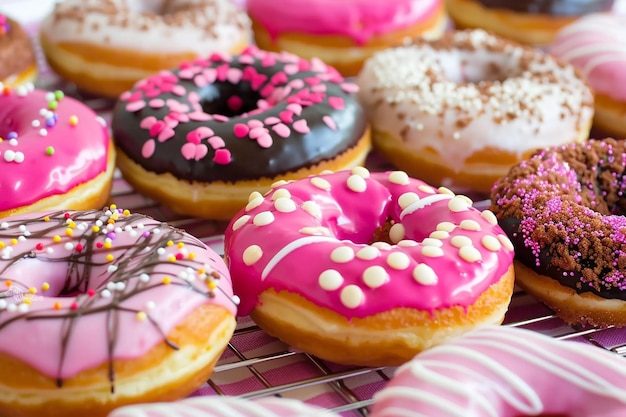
56 153
95 305
367 268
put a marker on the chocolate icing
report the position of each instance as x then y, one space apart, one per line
16 51
551 7
265 79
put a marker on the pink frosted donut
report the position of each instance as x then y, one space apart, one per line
104 308
56 153
506 372
595 44
367 268
343 33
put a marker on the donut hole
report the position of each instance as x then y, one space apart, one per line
474 67
229 100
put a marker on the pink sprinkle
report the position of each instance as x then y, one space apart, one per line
218 57
301 126
291 69
312 80
350 88
320 88
286 116
194 137
241 130
157 128
220 118
265 141
262 105
297 83
204 132
193 97
254 123
281 130
153 92
246 59
272 120
222 157
268 60
188 74
279 78
199 116
234 103
135 106
222 72
329 122
179 90
135 96
267 90
176 106
210 74
216 142
200 81
336 103
148 148
295 108
234 75
156 103
147 122
257 132
248 73
125 96
257 81
194 151
166 134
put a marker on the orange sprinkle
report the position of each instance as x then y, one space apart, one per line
56 238
57 305
73 120
8 282
111 220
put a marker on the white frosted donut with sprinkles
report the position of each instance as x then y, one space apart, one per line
55 153
104 308
461 110
367 268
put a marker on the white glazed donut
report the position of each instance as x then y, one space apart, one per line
461 110
104 47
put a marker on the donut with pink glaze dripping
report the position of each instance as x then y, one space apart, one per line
94 305
367 268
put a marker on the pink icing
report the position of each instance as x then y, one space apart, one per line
358 19
506 372
146 275
595 44
326 222
77 153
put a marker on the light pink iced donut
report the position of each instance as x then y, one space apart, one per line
106 307
224 407
55 153
312 264
506 372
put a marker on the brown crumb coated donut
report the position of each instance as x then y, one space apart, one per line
563 209
19 65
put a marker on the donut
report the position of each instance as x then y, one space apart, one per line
461 110
343 33
224 406
594 45
367 268
104 308
202 137
55 151
19 65
105 47
532 22
562 209
506 372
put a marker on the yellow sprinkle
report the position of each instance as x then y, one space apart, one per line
126 212
113 206
95 229
110 257
167 280
181 245
141 316
172 258
13 241
73 120
170 243
56 238
2 245
27 300
201 271
111 220
107 244
45 286
212 285
192 255
71 224
57 305
69 232
46 219
32 290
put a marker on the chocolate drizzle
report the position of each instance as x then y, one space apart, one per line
256 115
551 7
564 211
138 267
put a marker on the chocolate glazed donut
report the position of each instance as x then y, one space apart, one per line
551 7
256 115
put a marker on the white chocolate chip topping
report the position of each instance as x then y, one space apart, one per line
342 254
356 183
368 253
330 280
352 296
425 275
320 183
252 254
284 205
399 177
375 276
263 218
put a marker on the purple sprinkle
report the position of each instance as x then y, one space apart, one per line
111 235
12 135
50 122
